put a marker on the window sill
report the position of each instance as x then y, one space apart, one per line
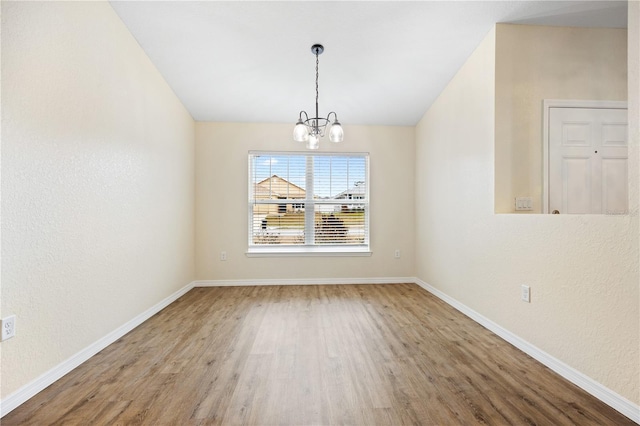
308 251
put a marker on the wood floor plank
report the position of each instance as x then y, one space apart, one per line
312 355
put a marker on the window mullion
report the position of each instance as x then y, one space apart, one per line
309 205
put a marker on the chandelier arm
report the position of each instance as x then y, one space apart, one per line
305 114
334 115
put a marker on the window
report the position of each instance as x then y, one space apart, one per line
302 203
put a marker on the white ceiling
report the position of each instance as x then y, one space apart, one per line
384 62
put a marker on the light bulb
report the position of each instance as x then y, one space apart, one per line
300 132
313 142
336 134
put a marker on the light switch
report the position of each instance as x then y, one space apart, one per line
524 203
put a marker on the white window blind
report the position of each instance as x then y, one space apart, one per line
311 203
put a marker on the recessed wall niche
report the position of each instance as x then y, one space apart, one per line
534 63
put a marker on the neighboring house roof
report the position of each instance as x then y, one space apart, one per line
278 187
358 189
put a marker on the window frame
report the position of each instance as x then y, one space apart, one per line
306 249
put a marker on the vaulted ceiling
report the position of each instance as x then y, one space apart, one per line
384 62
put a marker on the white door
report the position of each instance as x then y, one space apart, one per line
588 160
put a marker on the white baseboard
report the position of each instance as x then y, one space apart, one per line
596 389
30 389
302 281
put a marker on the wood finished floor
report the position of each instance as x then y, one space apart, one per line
302 355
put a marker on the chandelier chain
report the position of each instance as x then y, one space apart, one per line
317 74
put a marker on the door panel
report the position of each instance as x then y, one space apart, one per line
614 134
576 133
576 191
614 185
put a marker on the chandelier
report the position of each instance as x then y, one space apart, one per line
310 130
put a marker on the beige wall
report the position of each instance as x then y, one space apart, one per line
534 63
582 270
221 155
97 183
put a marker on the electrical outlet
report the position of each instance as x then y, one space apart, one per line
223 255
526 293
8 327
397 254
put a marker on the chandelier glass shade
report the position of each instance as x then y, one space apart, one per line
310 130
